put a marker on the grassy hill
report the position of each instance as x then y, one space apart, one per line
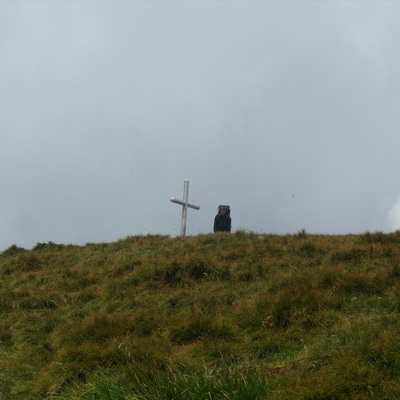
226 316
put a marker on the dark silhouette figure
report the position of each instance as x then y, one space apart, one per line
222 221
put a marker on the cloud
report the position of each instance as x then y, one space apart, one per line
106 109
394 215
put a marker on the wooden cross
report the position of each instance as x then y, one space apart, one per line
184 203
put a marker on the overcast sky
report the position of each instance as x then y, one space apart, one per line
288 111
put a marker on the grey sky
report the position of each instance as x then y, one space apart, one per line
286 110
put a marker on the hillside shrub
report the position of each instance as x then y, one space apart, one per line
12 250
380 237
354 256
26 262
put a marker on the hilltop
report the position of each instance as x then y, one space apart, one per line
226 316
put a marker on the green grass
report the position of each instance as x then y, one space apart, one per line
226 316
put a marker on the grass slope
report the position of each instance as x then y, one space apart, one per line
225 316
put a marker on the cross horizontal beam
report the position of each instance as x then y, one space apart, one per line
182 203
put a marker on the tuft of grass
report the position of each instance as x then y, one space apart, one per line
178 382
199 328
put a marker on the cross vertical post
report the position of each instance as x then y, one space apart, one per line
185 204
184 207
